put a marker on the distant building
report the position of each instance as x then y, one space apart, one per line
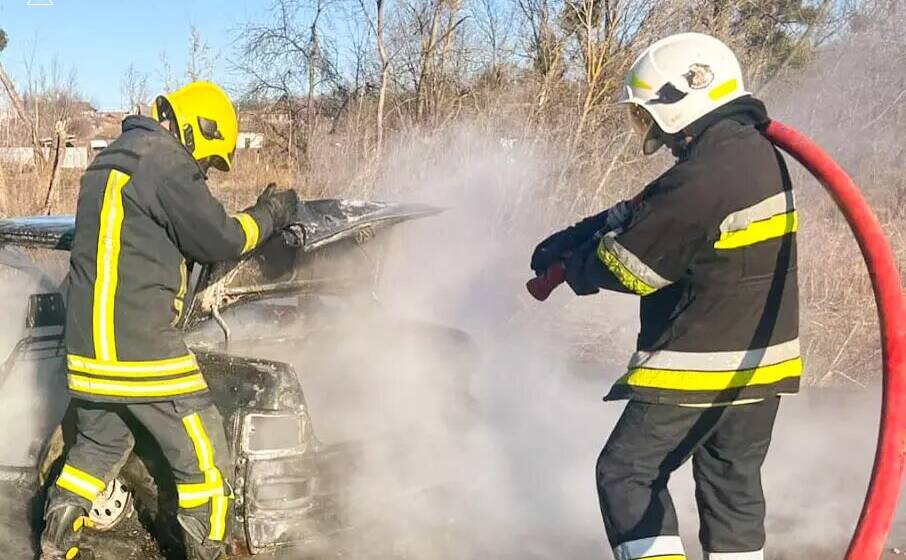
73 158
250 141
48 142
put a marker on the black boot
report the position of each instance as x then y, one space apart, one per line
62 528
198 547
209 551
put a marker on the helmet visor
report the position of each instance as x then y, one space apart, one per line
639 119
644 126
164 113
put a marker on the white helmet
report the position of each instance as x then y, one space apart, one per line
678 80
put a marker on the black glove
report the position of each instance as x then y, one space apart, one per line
281 206
555 247
576 274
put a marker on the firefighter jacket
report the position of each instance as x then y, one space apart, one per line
144 212
711 250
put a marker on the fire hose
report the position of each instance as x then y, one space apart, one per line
884 487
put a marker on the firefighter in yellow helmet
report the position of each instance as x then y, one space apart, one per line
144 215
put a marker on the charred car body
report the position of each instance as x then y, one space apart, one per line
244 320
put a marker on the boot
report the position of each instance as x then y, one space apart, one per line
209 551
197 546
62 528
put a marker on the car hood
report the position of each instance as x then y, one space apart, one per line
321 222
46 232
331 220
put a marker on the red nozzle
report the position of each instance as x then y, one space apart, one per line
542 285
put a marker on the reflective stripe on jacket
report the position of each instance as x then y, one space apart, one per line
143 212
712 251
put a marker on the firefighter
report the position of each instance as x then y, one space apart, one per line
710 247
144 215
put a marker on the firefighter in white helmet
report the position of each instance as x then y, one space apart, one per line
710 247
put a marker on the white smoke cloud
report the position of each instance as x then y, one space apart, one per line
510 473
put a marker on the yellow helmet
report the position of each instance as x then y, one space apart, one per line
205 121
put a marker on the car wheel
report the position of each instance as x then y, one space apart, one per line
134 487
111 507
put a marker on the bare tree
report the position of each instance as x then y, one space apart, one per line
51 94
315 55
493 20
544 46
377 23
134 89
603 32
165 72
201 59
17 104
58 153
384 62
435 23
287 61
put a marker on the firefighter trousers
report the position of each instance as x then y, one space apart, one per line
727 444
191 436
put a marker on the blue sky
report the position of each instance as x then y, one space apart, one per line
100 38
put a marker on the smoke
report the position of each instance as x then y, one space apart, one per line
35 412
32 396
498 460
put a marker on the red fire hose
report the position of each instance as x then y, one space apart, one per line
890 458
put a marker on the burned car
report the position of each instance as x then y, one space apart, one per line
263 329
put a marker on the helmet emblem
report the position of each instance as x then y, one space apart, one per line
699 76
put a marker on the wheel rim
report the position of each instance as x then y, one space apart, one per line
111 507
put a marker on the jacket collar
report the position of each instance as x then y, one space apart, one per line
133 122
747 111
145 123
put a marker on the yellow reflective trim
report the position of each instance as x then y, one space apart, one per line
204 451
762 230
108 254
170 387
190 503
639 83
178 301
623 274
667 557
250 228
723 89
72 553
691 380
218 518
148 368
80 482
196 495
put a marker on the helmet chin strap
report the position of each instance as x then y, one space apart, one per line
205 165
656 138
678 143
